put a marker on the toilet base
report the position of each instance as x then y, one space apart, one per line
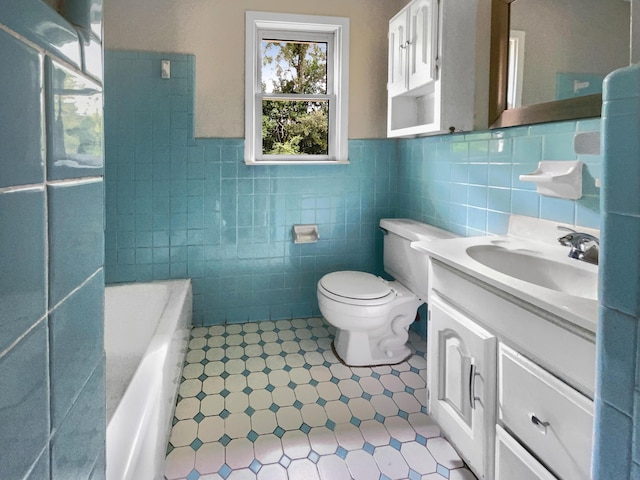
333 349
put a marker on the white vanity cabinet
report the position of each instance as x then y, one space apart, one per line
552 419
532 384
431 67
461 370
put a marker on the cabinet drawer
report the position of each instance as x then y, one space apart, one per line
514 462
551 418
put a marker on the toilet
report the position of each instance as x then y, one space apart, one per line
372 315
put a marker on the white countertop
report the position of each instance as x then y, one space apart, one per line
579 311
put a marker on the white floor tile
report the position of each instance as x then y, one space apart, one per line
268 449
210 429
179 463
391 463
362 465
239 453
296 444
333 467
444 453
323 441
289 418
273 472
278 405
183 433
209 457
349 436
418 459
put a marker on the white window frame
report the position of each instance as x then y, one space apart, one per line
335 30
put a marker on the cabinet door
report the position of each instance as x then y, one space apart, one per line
423 42
398 37
461 381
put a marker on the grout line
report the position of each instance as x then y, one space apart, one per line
21 337
74 181
33 187
72 292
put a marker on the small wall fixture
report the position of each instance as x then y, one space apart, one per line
165 67
305 233
562 179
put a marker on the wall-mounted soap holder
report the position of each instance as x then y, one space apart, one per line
562 179
305 233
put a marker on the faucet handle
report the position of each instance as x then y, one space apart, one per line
565 229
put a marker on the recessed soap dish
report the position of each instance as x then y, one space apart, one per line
562 179
305 233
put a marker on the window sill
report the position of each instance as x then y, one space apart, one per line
296 162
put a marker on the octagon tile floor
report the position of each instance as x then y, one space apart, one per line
270 400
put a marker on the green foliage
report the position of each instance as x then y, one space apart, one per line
295 127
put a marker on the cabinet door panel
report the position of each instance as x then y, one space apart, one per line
461 381
423 42
398 37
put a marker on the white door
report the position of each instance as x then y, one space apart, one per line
398 37
462 383
423 42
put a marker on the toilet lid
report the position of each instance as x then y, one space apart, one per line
357 285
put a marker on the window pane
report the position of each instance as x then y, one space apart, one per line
294 67
295 127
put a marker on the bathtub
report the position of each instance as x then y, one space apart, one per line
146 333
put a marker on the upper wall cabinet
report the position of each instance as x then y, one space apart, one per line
431 68
413 45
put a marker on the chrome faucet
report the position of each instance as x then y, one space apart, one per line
583 246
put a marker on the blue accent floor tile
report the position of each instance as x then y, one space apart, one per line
442 470
255 466
225 471
193 475
395 444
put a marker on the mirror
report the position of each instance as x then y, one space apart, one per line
560 52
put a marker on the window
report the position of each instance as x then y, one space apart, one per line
297 82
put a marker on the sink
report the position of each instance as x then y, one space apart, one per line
528 266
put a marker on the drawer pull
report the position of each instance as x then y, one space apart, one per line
540 425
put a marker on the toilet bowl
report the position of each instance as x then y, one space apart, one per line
372 315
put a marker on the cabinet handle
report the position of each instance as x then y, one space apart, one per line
472 386
405 44
540 425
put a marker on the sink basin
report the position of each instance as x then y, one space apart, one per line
528 266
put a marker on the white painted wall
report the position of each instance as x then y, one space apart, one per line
213 30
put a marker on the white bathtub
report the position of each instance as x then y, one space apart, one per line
146 333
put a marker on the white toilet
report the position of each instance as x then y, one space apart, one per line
372 315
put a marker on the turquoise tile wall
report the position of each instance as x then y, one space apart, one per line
617 440
52 420
469 183
183 207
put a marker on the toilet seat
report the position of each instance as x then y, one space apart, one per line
356 288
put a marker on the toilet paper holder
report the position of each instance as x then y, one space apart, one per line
305 233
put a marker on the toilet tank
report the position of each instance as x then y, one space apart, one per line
406 265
